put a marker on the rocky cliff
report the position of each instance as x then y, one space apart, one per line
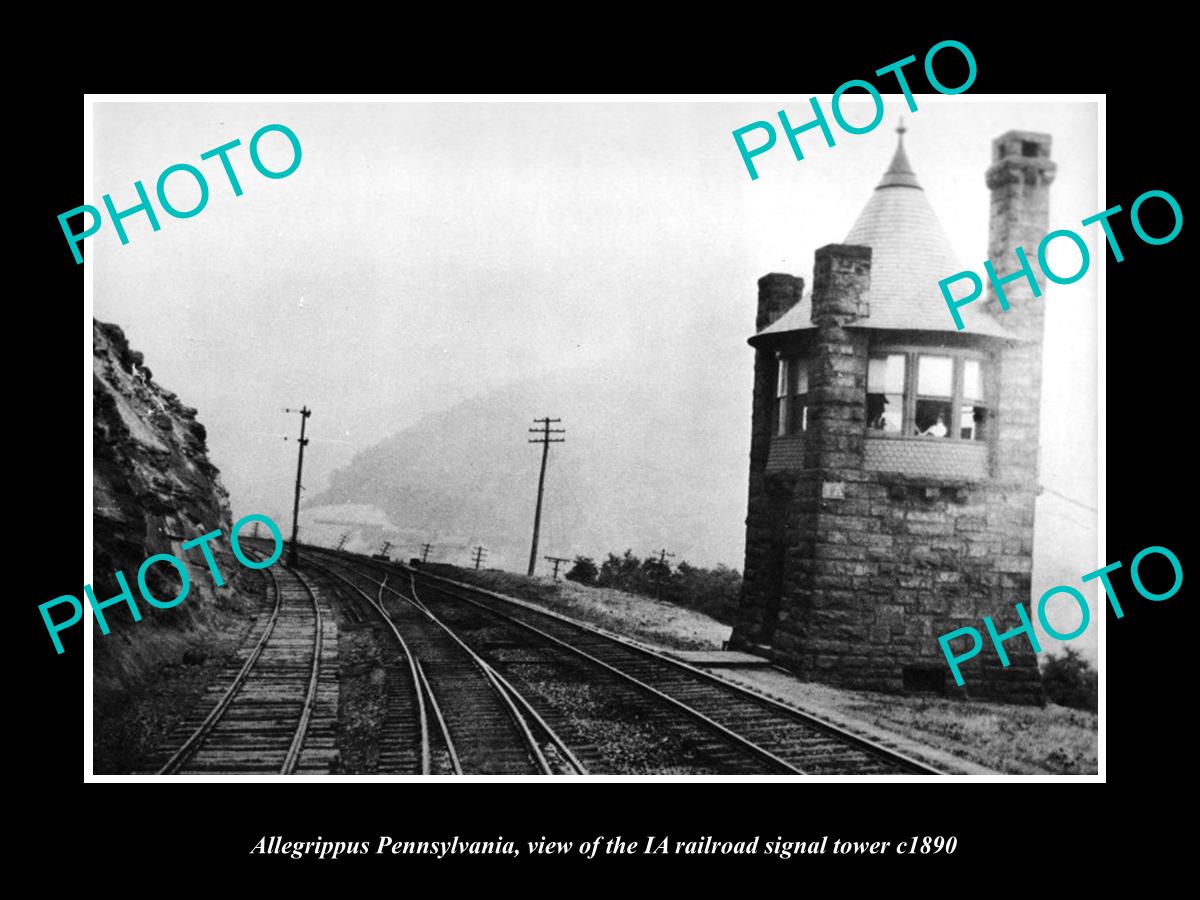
153 485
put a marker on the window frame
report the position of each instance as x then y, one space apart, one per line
986 388
905 389
912 353
780 401
797 412
788 417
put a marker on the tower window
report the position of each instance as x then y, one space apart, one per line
935 396
799 410
973 411
885 392
781 397
911 393
1029 148
791 397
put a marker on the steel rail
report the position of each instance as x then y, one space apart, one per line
197 737
481 664
310 696
437 711
412 663
559 743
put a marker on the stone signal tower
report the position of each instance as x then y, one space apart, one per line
893 461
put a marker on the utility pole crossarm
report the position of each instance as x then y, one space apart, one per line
558 561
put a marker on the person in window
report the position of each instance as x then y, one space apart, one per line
938 428
875 411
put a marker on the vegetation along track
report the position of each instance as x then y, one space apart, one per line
484 725
779 737
274 707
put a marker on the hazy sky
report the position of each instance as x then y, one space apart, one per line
424 253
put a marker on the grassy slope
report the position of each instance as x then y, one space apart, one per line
653 621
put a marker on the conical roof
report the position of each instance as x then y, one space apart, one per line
910 254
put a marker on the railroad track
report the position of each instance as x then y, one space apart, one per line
771 735
274 707
479 720
408 744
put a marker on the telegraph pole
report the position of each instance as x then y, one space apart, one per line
558 561
387 545
305 412
545 440
480 552
662 567
425 551
341 541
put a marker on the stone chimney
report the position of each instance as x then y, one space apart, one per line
1019 179
841 280
837 376
777 293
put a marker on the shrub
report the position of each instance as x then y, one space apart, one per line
1069 680
625 573
713 592
584 571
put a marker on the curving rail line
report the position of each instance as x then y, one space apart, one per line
416 680
477 703
770 761
263 718
785 738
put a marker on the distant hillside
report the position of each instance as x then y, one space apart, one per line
645 465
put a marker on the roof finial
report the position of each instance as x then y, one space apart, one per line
900 172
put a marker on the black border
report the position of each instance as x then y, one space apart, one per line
1136 64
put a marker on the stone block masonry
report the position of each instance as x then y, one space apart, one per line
1000 637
